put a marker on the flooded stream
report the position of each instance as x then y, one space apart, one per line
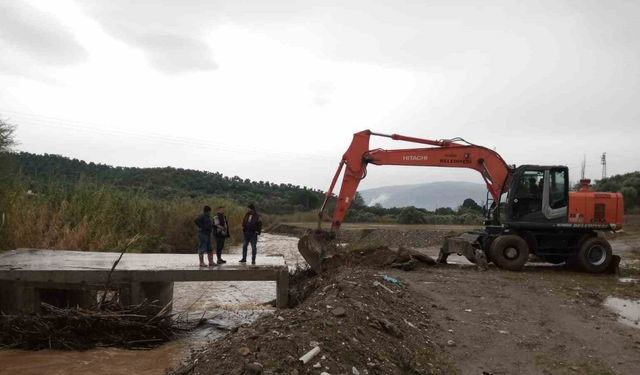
224 304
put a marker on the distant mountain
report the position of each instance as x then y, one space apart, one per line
429 195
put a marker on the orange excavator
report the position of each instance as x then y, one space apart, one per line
530 209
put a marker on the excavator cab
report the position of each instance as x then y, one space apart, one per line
538 194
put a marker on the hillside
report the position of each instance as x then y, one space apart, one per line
40 171
428 195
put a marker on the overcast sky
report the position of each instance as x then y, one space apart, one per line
274 90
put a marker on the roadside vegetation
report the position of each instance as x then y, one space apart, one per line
88 216
286 201
628 184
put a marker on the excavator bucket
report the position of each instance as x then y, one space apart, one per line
314 247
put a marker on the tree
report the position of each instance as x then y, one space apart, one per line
470 204
358 201
630 195
411 215
6 135
444 211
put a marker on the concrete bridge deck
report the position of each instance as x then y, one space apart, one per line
26 273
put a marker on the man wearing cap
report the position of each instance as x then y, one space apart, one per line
221 232
251 227
205 226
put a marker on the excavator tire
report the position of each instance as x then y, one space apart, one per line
509 251
595 255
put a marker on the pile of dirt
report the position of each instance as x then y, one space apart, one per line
363 321
407 237
392 237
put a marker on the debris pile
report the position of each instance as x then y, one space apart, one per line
380 257
356 320
81 329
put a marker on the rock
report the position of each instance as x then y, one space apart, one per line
390 328
355 371
244 350
574 368
405 255
254 368
409 265
290 359
451 343
294 372
317 365
339 312
324 373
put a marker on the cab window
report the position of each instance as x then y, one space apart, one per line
558 189
527 200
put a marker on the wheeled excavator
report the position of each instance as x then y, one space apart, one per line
530 208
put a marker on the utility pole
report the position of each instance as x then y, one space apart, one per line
603 161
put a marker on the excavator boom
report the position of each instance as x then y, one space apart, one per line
444 153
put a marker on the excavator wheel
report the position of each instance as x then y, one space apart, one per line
595 255
509 251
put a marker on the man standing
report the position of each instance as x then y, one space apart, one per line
221 232
251 227
205 225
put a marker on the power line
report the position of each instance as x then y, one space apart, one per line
61 123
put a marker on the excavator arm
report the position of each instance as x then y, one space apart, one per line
454 153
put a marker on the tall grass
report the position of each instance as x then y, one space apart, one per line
101 218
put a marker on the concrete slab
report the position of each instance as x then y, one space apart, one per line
147 276
63 266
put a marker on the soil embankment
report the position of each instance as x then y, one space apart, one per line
388 235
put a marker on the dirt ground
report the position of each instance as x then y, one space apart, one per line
444 319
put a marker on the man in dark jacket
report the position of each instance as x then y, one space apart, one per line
205 226
252 228
221 232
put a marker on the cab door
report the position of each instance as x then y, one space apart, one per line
555 196
539 195
525 195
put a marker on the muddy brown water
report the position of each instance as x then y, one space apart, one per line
224 305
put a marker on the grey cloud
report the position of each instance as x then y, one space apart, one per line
28 30
168 32
177 54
